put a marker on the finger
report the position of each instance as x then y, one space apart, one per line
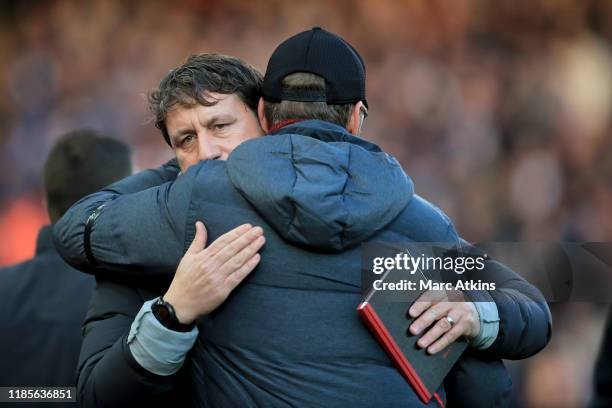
235 278
227 238
433 334
429 316
425 301
448 337
199 241
237 245
455 296
236 261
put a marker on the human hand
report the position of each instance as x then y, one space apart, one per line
206 276
437 305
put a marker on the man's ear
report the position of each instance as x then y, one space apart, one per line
354 123
263 122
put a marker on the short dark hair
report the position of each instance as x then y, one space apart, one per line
304 81
80 163
199 75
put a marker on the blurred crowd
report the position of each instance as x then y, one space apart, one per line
499 111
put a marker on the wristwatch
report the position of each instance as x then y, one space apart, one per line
164 313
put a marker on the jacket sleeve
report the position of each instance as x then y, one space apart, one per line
107 374
525 322
602 381
132 226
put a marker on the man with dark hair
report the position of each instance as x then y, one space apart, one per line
216 97
190 85
290 335
82 162
44 300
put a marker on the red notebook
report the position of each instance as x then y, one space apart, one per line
389 322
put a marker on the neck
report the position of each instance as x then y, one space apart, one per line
282 124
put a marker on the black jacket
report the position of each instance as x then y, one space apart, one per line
108 374
43 305
123 238
602 395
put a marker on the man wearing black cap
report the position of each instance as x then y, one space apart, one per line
317 74
290 335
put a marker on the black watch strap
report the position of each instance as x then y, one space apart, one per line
165 314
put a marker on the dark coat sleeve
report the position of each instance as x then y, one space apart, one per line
602 395
141 226
525 325
107 373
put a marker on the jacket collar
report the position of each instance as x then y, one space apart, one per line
44 242
325 132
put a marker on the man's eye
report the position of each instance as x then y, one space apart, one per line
187 140
220 126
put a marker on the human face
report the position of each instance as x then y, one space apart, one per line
210 132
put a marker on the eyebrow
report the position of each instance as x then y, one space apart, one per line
221 117
187 130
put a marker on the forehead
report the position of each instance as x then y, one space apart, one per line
227 105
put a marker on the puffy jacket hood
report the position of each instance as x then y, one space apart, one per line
319 186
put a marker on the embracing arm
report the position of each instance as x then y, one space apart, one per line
129 226
108 375
525 322
128 356
512 321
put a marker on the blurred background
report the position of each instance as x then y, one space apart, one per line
499 111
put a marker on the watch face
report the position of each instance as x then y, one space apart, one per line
161 312
164 313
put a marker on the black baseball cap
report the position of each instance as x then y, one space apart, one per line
322 53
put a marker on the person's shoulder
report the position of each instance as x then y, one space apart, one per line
199 177
426 222
17 274
10 275
203 168
23 283
8 271
14 269
420 204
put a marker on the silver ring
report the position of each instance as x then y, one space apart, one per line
450 321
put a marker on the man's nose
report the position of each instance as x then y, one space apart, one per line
208 149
